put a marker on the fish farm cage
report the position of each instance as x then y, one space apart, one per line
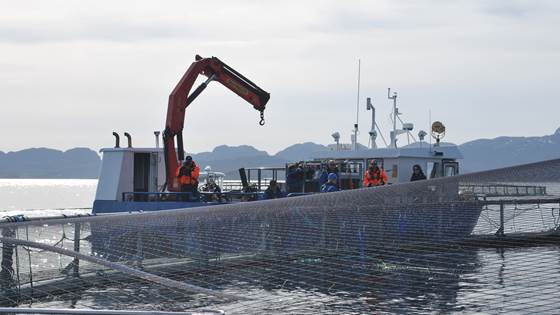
481 242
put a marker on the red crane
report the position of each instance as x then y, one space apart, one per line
180 99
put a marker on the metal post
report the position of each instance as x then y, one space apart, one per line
76 262
500 231
7 269
558 226
249 177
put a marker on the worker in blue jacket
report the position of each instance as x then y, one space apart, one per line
331 168
331 185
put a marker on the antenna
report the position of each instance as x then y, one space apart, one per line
372 133
430 125
355 138
395 115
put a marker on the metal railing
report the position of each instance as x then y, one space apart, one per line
550 221
504 190
15 310
188 196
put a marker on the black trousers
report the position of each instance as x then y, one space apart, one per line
190 188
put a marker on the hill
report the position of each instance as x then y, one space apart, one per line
481 154
484 154
229 159
50 163
300 151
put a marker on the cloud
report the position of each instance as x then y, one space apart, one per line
105 31
515 9
345 20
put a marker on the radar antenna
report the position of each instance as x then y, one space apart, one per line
438 131
336 137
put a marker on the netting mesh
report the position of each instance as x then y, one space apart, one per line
482 242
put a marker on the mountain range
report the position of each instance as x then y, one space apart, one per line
481 154
50 163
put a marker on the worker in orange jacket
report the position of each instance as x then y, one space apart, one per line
375 176
188 174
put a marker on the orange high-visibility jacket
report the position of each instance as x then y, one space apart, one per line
378 178
188 180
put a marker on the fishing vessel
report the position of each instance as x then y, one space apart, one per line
144 179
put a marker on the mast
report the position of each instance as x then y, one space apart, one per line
372 132
355 136
393 143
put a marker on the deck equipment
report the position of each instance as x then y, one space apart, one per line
215 70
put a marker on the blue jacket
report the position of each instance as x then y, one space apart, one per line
329 188
325 176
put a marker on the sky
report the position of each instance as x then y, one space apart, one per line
72 72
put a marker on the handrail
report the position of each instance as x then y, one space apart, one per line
496 190
502 202
190 196
22 218
24 310
521 201
170 283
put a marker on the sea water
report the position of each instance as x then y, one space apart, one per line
46 197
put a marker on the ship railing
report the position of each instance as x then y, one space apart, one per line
237 185
189 196
261 176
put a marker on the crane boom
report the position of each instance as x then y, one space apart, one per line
179 99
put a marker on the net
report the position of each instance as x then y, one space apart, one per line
481 242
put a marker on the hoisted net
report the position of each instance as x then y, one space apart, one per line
481 242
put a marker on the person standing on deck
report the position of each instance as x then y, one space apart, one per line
417 173
295 178
331 185
188 174
375 176
331 168
273 191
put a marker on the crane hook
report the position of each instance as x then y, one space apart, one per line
262 119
